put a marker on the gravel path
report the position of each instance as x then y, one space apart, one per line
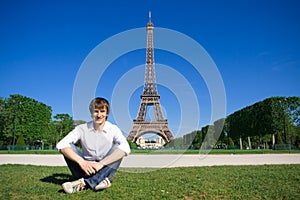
159 161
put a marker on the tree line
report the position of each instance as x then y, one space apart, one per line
27 123
271 123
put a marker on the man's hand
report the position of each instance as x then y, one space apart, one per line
87 167
90 167
98 166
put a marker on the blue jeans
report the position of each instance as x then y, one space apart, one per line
108 171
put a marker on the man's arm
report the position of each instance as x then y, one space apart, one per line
116 155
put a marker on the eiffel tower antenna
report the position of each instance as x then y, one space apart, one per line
150 97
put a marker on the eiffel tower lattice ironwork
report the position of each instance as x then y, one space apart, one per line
150 97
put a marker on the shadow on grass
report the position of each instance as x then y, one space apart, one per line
57 178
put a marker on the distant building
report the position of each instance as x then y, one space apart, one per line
158 143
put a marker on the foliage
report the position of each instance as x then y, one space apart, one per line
25 117
132 144
209 139
274 116
78 122
62 125
2 137
230 143
218 182
193 140
20 140
177 143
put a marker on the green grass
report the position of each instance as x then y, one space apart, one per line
219 182
29 152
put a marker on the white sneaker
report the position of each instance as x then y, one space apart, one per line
75 186
103 184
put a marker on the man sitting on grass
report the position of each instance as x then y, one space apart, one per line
103 147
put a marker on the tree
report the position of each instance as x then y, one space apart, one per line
63 125
197 142
24 116
132 144
219 128
177 143
208 136
2 138
273 117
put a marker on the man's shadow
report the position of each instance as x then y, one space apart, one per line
57 178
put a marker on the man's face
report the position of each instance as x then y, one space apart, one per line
99 115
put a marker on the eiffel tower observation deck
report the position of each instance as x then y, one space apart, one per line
150 97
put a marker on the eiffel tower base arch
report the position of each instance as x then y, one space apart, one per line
160 128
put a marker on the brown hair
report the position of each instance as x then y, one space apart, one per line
99 103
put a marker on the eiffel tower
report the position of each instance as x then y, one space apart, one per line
150 97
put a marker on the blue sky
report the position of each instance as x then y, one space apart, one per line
255 46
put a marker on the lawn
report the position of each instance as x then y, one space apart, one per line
218 182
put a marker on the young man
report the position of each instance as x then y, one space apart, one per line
103 147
